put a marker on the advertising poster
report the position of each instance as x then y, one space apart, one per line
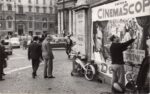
125 19
80 31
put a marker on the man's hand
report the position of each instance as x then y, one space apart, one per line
134 37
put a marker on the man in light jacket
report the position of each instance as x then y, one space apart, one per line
48 57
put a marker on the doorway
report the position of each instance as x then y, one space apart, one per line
20 29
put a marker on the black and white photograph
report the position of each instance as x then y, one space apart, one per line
74 46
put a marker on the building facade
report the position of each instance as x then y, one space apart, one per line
66 16
27 16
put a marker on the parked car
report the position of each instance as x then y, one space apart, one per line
8 47
58 42
15 42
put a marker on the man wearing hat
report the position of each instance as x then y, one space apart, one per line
69 44
35 53
116 50
48 57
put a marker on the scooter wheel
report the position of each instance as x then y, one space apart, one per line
90 72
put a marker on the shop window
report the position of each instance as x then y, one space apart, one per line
9 7
44 22
9 19
30 24
0 24
20 8
19 1
44 9
44 2
30 8
51 10
51 25
1 7
9 24
37 1
29 1
30 18
37 9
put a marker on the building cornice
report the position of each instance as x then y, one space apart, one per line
85 6
101 2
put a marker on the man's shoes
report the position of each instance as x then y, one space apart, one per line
1 79
51 77
33 75
45 76
3 74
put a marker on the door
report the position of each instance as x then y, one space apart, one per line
20 29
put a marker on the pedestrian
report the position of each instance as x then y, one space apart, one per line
48 57
143 77
2 60
25 44
69 44
116 50
6 57
35 54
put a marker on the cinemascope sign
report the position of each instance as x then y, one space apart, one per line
121 9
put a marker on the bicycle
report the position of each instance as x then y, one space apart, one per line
82 67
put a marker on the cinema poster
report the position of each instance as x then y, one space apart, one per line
125 19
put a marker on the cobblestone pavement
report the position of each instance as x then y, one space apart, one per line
19 80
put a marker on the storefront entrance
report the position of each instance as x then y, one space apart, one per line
20 29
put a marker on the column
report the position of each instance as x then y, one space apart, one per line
59 22
74 23
62 24
70 21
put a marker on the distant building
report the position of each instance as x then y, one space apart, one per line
27 16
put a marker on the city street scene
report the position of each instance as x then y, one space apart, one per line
74 46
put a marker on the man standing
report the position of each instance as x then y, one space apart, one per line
116 51
6 57
2 60
68 46
35 53
48 57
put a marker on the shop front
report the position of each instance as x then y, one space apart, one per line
124 18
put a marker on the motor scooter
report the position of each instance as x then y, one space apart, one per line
82 67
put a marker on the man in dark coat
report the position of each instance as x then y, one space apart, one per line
35 54
116 50
2 60
6 57
69 44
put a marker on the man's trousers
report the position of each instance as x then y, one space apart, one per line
118 74
48 67
35 65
